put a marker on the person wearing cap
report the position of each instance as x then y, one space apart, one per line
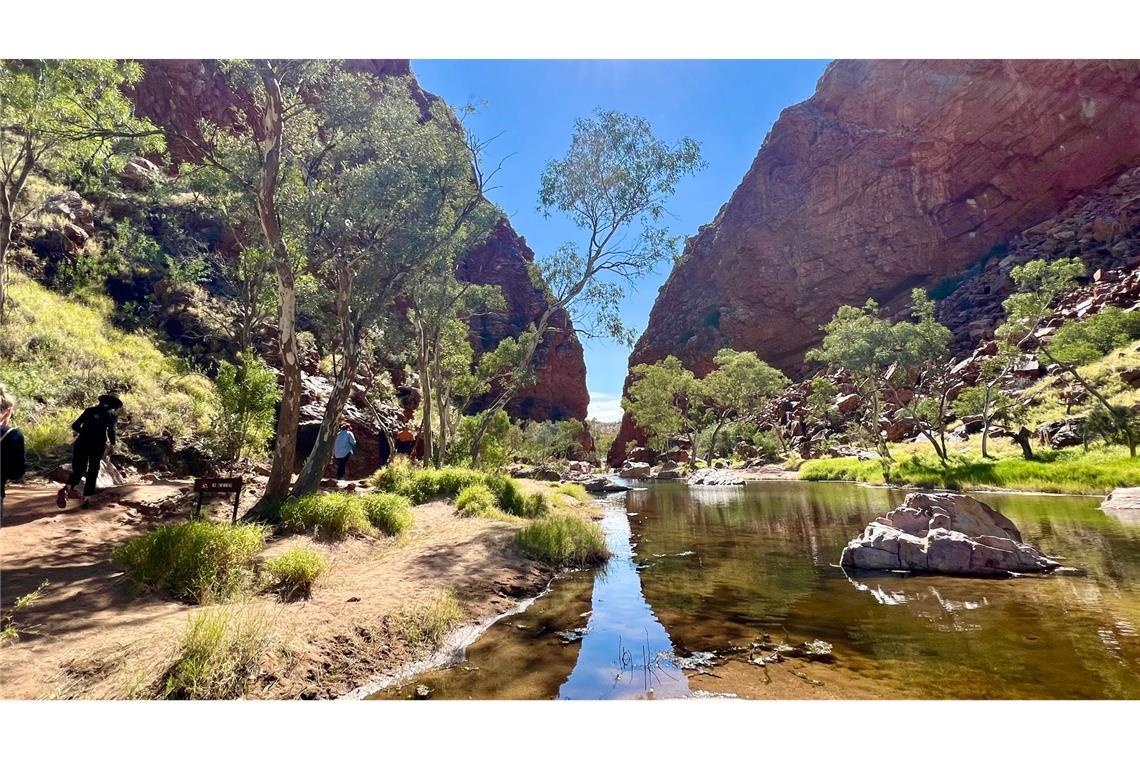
95 430
343 447
12 462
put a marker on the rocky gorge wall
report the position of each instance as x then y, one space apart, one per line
177 94
893 175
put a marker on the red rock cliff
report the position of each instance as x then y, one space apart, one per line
176 94
894 174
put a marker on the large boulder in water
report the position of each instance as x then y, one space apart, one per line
634 470
944 533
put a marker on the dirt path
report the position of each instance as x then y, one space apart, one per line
90 635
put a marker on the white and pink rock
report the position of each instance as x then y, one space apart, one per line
945 533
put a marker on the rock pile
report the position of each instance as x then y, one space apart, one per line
944 533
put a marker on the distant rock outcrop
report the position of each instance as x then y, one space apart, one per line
944 533
894 174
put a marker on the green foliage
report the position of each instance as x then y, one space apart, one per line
294 572
389 513
247 393
431 483
575 491
1088 340
57 355
342 514
1069 471
1112 425
424 625
195 561
1039 283
563 541
663 399
616 174
219 655
477 501
741 385
539 441
9 628
495 449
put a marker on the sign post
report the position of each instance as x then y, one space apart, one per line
203 486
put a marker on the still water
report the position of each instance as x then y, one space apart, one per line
700 577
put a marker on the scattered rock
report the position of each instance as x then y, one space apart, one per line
944 533
634 470
715 477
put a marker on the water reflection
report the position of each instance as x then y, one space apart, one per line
699 570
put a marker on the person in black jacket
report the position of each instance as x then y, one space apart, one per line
96 437
12 464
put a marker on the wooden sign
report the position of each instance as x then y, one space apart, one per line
203 486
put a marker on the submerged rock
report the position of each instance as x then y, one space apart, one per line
1122 498
602 484
713 477
944 533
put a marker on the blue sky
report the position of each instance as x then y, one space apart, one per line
728 106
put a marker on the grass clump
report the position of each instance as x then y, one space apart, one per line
219 655
478 501
195 561
425 625
447 482
1075 471
335 515
575 491
389 513
293 573
563 541
9 628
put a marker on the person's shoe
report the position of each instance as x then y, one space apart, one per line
73 493
61 498
86 504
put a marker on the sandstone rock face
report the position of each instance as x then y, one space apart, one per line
559 392
894 174
176 94
944 533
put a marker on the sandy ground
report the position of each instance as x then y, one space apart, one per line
91 636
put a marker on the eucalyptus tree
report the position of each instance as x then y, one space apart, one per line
612 184
666 400
386 193
253 161
739 388
67 115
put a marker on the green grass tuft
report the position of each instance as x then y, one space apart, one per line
1098 470
219 655
575 491
425 625
478 501
195 561
334 515
563 541
294 572
389 513
448 482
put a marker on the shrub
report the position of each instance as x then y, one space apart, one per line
507 494
477 501
334 514
563 541
394 476
294 572
247 393
388 512
425 625
219 655
195 561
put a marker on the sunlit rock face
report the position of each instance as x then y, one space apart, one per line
894 174
177 94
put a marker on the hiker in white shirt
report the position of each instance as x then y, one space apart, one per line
343 447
